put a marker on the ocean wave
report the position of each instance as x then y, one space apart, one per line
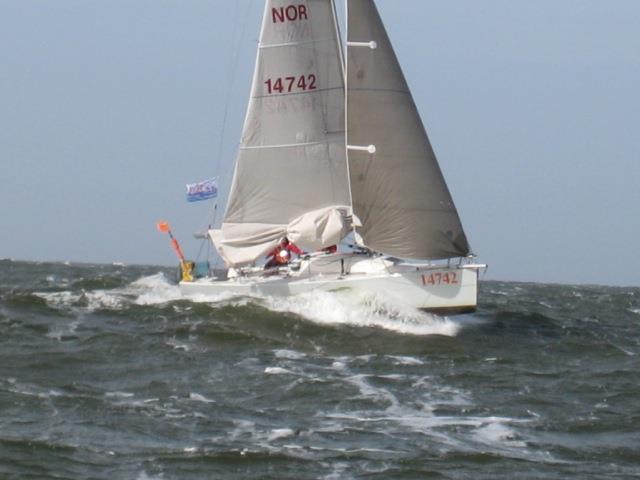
88 300
362 310
154 290
149 290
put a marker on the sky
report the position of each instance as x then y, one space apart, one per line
109 107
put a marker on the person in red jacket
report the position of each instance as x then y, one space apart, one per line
282 254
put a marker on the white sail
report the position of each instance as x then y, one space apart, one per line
292 159
398 192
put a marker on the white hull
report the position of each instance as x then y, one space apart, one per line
444 289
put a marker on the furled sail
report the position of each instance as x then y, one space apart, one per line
292 161
399 193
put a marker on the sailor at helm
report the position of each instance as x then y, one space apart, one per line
282 254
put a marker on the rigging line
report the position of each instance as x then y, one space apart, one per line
202 245
235 55
233 66
232 61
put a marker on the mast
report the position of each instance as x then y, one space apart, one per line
356 237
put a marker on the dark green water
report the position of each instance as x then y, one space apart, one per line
106 373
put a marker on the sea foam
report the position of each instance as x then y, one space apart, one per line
362 310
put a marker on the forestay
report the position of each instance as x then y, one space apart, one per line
398 192
291 176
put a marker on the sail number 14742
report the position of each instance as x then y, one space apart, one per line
300 83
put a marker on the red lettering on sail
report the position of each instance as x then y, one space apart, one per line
290 13
294 84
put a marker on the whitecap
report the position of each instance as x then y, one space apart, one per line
277 371
400 360
103 299
280 433
154 290
157 290
497 433
338 365
362 310
60 299
196 397
176 345
33 391
498 292
289 354
145 476
89 300
118 395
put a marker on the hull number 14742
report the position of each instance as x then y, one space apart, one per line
439 278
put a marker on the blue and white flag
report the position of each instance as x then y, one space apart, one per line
203 190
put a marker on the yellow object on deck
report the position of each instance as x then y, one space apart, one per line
186 271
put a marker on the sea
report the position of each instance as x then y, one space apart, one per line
107 372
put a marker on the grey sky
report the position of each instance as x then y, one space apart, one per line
108 107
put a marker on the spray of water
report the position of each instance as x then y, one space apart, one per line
326 308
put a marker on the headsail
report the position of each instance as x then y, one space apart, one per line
292 159
399 192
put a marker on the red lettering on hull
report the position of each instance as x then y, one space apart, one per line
439 278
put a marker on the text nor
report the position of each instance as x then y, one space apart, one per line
292 13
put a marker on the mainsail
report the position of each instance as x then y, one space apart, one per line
291 175
399 193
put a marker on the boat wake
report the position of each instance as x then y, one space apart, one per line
362 310
343 307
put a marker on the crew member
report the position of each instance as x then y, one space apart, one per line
282 254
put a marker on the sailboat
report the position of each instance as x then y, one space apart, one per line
333 149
